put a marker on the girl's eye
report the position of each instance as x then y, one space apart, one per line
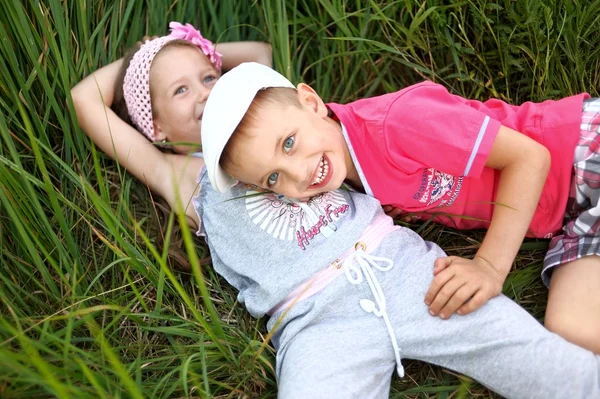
210 79
272 179
288 143
180 90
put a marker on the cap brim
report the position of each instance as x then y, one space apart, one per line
227 104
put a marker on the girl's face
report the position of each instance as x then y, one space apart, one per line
181 78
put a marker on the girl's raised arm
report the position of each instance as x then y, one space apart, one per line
164 173
235 53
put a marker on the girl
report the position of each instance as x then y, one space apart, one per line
346 301
184 67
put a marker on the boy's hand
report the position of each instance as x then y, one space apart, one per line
462 285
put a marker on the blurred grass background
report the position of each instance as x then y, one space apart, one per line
90 302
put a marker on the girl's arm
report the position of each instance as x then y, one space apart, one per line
235 53
463 285
164 173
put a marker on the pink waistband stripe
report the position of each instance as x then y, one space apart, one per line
371 238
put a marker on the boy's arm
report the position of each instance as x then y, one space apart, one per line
235 53
463 285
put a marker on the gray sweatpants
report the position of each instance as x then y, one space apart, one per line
329 347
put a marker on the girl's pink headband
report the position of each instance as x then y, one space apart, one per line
136 84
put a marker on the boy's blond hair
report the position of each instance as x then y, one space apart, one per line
280 96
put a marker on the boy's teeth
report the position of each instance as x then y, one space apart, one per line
323 169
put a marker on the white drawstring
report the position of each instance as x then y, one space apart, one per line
355 275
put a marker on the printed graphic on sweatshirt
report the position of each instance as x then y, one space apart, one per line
438 188
288 219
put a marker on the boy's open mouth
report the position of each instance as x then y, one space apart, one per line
322 174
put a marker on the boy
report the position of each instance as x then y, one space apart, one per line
427 152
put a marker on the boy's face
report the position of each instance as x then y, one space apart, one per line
295 151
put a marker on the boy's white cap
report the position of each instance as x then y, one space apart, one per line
227 104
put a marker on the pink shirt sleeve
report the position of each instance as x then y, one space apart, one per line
427 127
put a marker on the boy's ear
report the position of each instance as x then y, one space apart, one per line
308 97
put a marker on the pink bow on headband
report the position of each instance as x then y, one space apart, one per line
189 33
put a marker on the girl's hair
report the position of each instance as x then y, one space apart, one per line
177 256
281 96
119 106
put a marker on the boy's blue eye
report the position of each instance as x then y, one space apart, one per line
272 179
180 90
288 143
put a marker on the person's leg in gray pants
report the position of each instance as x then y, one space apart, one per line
329 347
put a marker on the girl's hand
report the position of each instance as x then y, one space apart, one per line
462 285
234 53
145 39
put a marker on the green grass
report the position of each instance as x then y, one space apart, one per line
90 302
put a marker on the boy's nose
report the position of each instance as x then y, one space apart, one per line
300 175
